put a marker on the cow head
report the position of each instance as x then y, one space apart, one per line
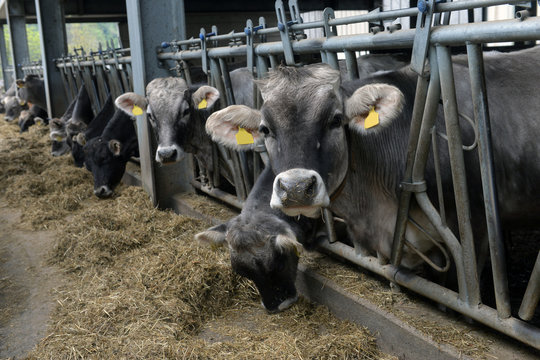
14 106
26 119
264 249
170 106
107 159
303 122
57 133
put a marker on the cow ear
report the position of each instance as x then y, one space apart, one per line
373 107
80 139
226 125
205 97
287 242
214 236
131 103
20 83
115 146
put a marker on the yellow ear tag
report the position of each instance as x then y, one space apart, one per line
20 86
243 137
296 251
58 138
22 102
372 119
203 104
137 110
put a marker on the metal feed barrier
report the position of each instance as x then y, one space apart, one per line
102 72
109 71
32 68
431 40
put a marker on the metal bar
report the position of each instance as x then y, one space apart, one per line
437 165
513 327
532 294
241 191
455 146
489 187
3 58
227 82
405 196
352 65
15 16
218 194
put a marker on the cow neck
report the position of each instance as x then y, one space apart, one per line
341 186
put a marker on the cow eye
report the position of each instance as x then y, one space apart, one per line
264 130
185 113
336 122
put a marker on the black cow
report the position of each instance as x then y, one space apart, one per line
264 245
106 156
32 116
94 129
81 115
32 90
326 155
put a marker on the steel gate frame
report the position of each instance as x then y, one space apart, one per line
432 42
426 42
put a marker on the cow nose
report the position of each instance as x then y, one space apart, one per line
297 191
167 154
103 191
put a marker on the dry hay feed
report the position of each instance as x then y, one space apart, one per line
138 286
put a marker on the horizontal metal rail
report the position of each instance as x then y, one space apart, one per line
484 314
492 31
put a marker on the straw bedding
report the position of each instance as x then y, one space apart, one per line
137 284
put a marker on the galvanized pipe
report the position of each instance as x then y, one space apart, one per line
489 187
218 194
512 327
405 196
457 162
532 294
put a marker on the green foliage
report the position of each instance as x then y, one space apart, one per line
87 35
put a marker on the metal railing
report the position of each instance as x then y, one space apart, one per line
102 72
431 40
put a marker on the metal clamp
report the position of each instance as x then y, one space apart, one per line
415 187
421 37
283 27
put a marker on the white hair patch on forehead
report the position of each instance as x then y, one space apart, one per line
298 80
164 89
288 241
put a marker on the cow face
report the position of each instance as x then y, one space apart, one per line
303 122
26 119
106 159
264 249
170 107
14 106
57 133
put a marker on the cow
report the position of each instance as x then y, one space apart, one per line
106 155
177 117
345 147
32 116
94 129
81 115
264 245
13 106
32 90
57 131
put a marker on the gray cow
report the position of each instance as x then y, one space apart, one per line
178 121
264 245
325 153
32 90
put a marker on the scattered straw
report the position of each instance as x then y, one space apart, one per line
139 287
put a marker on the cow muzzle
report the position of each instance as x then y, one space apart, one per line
103 192
299 192
169 154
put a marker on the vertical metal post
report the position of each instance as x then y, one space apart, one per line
160 182
532 294
457 163
8 78
53 39
489 186
17 29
